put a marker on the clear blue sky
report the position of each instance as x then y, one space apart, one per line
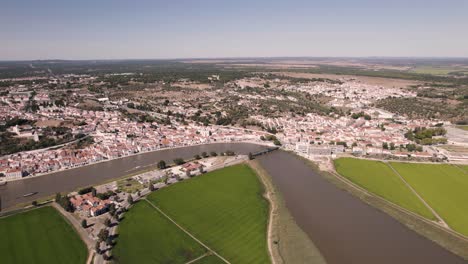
116 29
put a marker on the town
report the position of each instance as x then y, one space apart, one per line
71 120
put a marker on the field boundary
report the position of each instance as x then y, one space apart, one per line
442 222
185 231
197 259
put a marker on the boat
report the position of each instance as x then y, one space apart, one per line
30 194
3 183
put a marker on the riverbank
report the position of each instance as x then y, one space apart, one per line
286 241
261 143
94 174
446 238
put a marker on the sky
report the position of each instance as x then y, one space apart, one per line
145 29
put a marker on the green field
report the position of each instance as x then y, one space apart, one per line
225 209
40 236
146 236
444 187
379 178
463 127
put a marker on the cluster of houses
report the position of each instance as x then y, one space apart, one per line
89 205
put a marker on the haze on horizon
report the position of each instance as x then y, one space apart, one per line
143 29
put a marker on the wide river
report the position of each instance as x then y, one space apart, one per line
344 229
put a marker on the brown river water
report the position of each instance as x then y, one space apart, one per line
344 229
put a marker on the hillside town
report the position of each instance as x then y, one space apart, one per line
44 132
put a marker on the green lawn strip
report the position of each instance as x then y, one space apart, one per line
146 236
40 236
225 209
464 168
378 178
444 187
211 259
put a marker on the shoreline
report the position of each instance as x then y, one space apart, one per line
131 155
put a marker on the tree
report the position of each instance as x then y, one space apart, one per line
93 192
109 241
151 187
213 154
385 145
201 169
97 247
204 155
84 223
107 222
251 157
103 235
188 174
58 197
161 165
179 161
34 203
112 209
392 146
276 142
130 199
197 157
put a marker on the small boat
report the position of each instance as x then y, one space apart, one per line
3 183
30 194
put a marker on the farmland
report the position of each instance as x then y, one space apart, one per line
145 236
224 210
40 236
379 178
444 187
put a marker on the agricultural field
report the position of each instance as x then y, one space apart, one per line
225 209
379 178
444 187
439 70
463 127
40 236
146 236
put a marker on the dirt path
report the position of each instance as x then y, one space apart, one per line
197 259
185 231
441 221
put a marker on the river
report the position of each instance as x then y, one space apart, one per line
69 180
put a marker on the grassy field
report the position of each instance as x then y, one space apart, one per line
225 209
444 187
146 236
463 127
379 178
40 236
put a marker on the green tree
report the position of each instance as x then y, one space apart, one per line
161 165
130 199
84 223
